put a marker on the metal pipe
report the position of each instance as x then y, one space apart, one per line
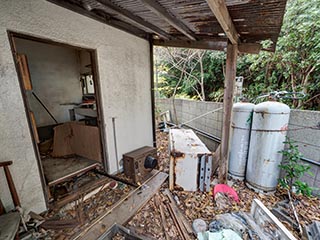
115 141
310 161
44 106
154 138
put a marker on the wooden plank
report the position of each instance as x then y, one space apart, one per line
134 18
34 127
219 44
12 188
162 12
176 210
215 44
80 192
75 138
24 70
108 19
253 48
62 141
125 208
220 11
159 203
229 83
86 141
216 159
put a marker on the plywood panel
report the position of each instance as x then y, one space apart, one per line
76 138
62 141
86 141
24 70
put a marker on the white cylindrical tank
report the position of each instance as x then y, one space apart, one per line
268 132
241 123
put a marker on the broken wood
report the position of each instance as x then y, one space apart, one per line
177 211
76 195
175 221
159 203
59 224
124 209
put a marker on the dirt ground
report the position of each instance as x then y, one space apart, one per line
202 205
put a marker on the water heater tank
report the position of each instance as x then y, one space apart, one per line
241 123
268 132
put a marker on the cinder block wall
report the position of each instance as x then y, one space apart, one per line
300 130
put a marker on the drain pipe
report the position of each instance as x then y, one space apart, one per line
115 141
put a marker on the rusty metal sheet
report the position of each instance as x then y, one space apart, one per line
186 167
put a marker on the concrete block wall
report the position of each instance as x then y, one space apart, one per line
301 129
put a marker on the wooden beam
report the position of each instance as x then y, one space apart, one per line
253 48
220 11
214 44
162 12
202 44
134 18
229 83
106 20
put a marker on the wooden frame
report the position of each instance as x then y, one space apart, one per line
96 80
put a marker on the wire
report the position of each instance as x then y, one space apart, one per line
191 120
282 95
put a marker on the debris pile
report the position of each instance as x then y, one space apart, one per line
201 205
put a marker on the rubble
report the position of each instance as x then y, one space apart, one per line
201 205
168 214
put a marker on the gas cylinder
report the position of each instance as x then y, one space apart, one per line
240 134
268 133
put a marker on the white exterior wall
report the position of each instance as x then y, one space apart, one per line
124 72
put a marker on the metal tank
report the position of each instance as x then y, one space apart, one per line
268 132
241 123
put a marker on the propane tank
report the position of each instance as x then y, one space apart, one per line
268 132
241 123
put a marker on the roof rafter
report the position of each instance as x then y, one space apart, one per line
217 44
220 11
107 19
155 7
133 18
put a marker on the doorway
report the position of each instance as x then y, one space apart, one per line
59 85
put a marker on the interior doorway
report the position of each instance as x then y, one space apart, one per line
61 93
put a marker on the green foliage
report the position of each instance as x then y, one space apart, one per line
294 66
294 170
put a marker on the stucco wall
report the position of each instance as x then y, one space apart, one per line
55 76
124 71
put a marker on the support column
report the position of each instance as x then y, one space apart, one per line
231 66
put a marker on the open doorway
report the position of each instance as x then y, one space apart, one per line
60 91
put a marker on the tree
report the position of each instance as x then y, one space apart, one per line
295 65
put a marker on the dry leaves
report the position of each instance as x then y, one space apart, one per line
201 205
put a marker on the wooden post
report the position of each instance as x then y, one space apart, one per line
231 65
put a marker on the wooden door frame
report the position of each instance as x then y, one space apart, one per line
98 98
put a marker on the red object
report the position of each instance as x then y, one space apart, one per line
223 188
